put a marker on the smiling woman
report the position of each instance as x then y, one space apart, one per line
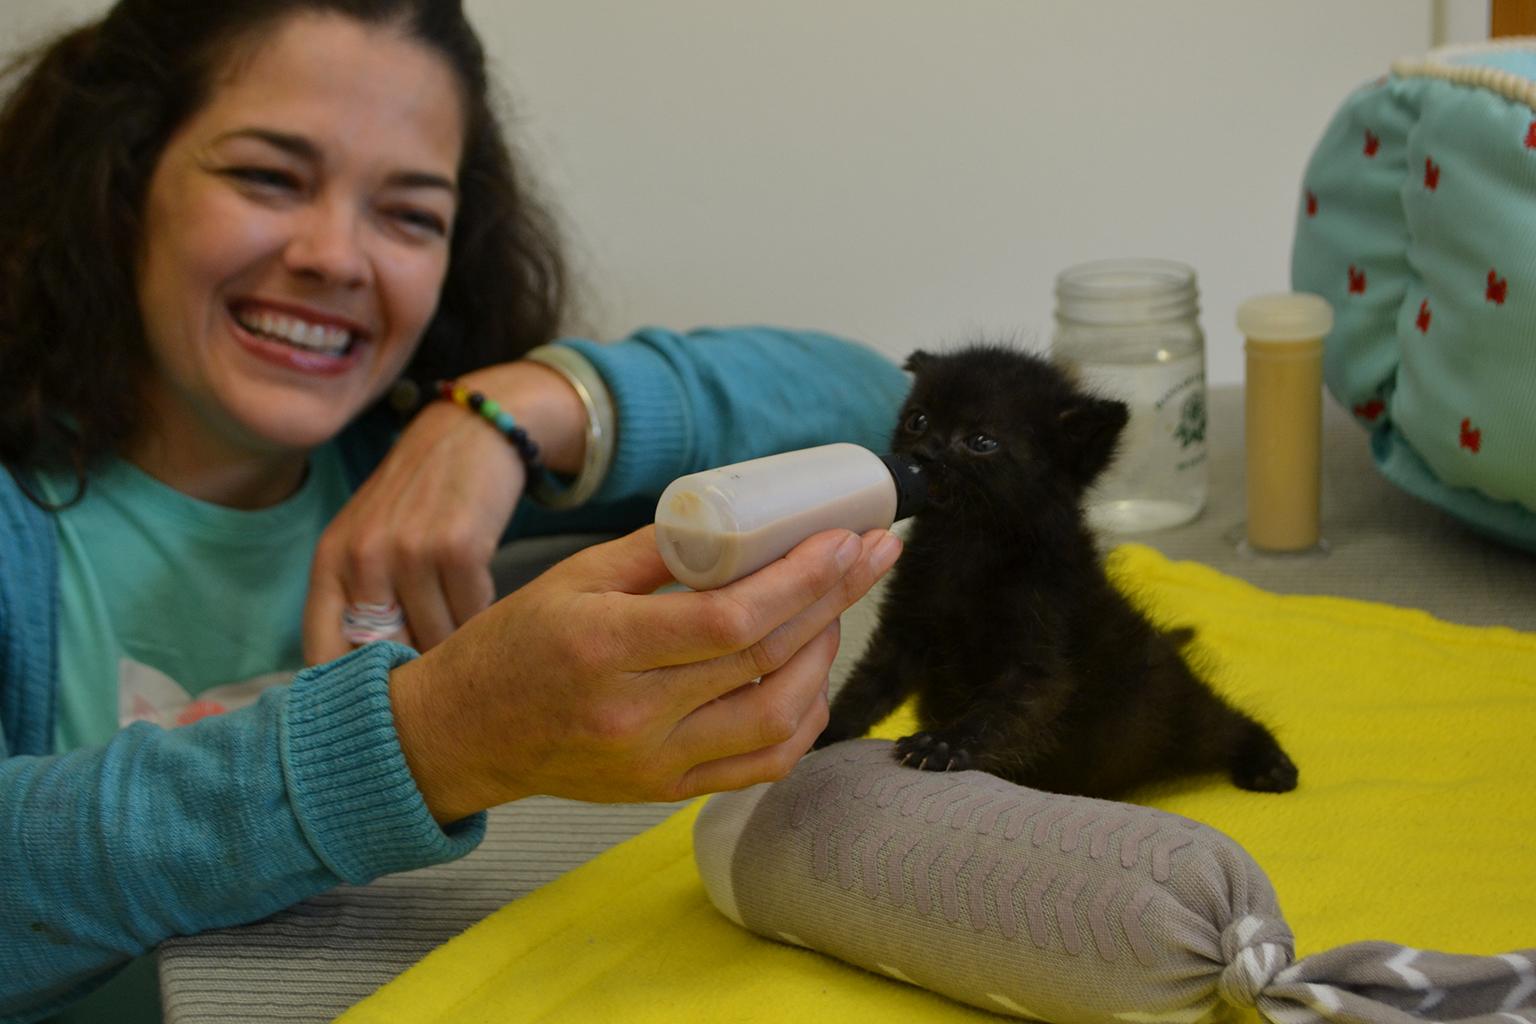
288 272
87 127
226 231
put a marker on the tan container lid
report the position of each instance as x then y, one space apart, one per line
1288 316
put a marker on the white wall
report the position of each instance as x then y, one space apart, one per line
913 172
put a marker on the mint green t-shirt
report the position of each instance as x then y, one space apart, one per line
171 608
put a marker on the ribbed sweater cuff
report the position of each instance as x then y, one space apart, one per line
347 778
655 437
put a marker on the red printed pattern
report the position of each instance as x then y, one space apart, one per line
1471 439
1498 288
1497 291
1368 411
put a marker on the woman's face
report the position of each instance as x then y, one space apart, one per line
296 237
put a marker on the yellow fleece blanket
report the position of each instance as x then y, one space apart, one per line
1415 822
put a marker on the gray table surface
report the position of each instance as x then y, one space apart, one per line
313 961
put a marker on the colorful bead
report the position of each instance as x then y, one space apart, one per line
491 411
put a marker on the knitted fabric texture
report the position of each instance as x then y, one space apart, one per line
1051 907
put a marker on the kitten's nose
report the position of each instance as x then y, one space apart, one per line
929 448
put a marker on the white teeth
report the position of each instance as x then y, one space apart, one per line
315 337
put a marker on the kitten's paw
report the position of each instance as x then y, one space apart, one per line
926 751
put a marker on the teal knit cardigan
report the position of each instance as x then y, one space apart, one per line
107 851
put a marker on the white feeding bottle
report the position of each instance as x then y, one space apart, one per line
719 525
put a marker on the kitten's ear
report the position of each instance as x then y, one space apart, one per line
916 361
1090 429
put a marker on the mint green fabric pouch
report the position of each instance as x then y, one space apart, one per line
1417 221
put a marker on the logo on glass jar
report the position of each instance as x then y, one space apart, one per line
1191 428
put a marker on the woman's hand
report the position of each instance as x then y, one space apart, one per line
585 684
421 530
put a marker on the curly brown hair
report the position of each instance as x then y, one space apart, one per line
80 135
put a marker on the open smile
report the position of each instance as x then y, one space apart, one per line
300 339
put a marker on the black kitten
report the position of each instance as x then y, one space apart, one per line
1026 661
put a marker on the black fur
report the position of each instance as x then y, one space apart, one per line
1025 660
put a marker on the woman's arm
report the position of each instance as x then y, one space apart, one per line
693 401
422 529
582 684
430 512
107 851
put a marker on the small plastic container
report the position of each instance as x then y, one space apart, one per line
1283 419
719 525
1130 330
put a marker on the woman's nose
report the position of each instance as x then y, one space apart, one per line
327 245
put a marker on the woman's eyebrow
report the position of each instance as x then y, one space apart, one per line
422 179
299 146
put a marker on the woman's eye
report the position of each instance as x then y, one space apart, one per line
421 221
981 444
264 177
916 422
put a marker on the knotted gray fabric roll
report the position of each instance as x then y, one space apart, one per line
1053 908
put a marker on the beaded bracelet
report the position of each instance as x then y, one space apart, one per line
496 416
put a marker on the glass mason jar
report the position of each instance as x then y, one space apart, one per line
1130 330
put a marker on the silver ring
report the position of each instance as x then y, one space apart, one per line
364 622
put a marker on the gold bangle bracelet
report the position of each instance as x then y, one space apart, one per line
601 428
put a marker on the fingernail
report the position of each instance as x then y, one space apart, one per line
847 551
884 555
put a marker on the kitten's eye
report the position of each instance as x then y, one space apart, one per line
981 444
916 422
